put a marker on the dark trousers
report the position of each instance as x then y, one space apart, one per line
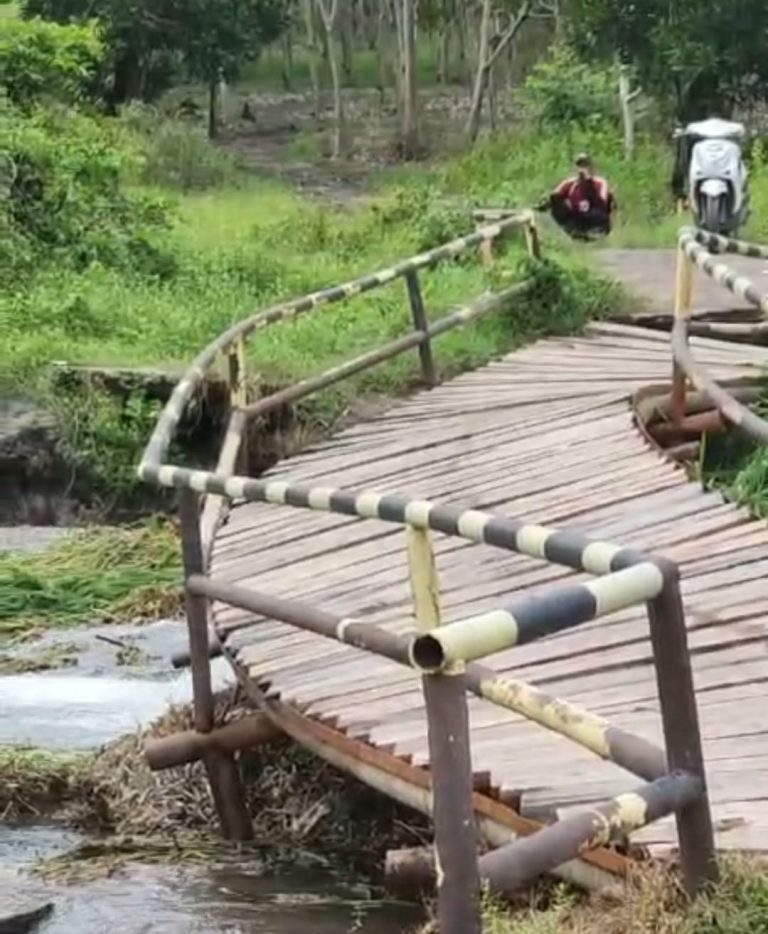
580 223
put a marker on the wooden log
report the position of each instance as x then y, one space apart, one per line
169 751
411 872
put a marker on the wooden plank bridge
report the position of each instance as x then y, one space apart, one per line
546 434
553 435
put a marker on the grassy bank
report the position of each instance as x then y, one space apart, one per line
96 574
650 903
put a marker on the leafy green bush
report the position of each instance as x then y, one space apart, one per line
66 203
41 60
563 90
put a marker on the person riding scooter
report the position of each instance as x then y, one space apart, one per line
582 205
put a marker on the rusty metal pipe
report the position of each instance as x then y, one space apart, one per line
166 752
735 413
360 635
507 869
682 736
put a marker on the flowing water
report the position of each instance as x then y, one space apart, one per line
84 706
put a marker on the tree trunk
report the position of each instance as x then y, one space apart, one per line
383 55
443 54
286 43
492 109
409 103
627 110
346 36
213 107
461 37
481 76
488 53
329 17
314 57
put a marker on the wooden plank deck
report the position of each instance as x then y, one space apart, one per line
545 434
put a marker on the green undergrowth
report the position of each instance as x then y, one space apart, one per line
94 574
737 465
650 903
193 246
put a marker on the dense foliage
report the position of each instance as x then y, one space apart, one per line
697 57
148 40
41 60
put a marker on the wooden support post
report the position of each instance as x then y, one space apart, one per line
486 252
223 773
237 375
421 324
532 240
458 882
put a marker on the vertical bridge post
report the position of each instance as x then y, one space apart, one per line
681 729
222 770
421 324
532 240
683 297
458 883
237 378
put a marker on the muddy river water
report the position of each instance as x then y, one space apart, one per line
86 705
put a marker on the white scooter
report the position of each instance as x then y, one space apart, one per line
718 191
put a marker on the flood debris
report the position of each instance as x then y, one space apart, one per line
303 810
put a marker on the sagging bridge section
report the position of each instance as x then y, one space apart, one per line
415 597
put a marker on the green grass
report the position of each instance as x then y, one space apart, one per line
8 10
96 574
650 903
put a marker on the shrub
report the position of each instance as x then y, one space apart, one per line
42 60
564 90
66 202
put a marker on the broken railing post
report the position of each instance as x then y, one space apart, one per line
681 729
223 773
421 324
458 883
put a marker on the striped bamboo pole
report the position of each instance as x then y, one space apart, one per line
533 617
